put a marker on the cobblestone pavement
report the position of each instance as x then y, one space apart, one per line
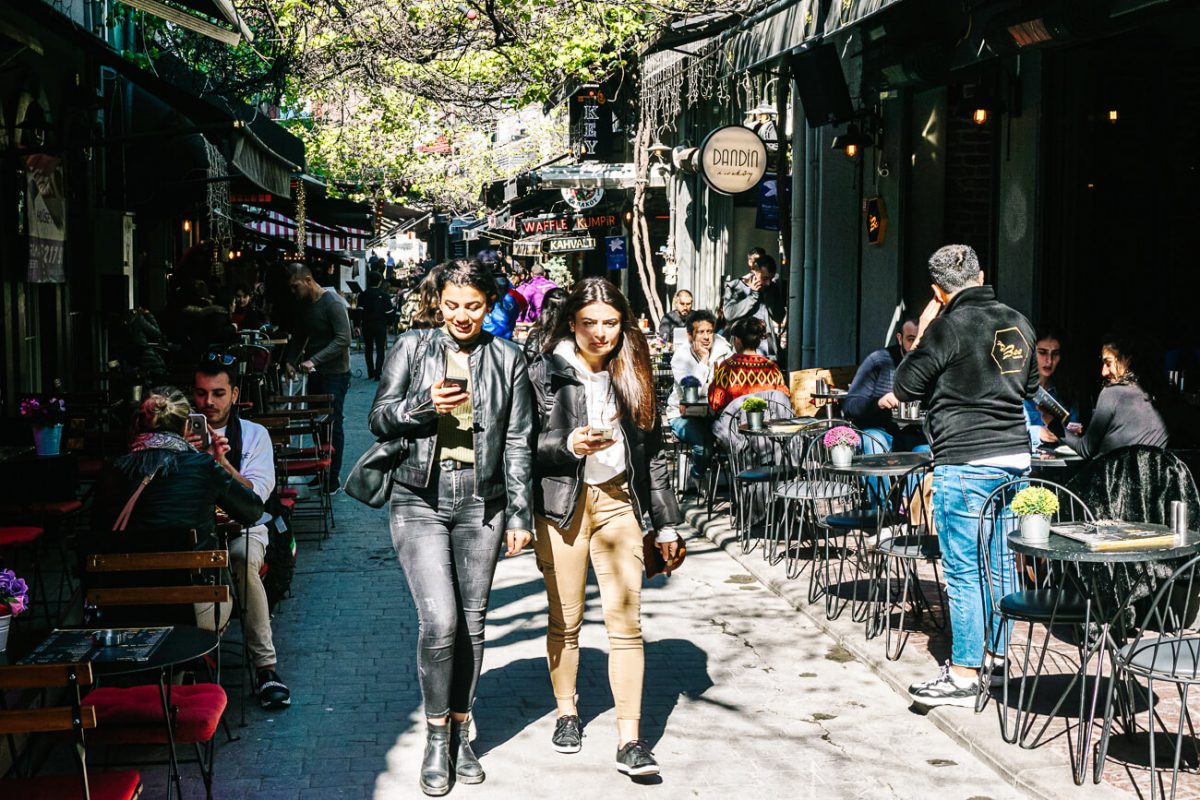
744 697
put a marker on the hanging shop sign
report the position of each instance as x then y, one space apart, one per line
877 221
583 198
732 159
527 249
591 123
566 223
572 244
618 255
46 209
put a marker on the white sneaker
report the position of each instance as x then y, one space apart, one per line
946 689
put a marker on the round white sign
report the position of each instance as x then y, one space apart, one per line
733 159
583 198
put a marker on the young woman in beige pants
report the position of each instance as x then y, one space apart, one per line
599 469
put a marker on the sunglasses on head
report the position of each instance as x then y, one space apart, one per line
223 358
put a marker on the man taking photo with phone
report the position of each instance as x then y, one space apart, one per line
243 449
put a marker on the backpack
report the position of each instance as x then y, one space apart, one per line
279 561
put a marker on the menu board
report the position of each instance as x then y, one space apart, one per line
67 646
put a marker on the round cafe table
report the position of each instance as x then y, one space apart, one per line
830 397
881 464
1095 578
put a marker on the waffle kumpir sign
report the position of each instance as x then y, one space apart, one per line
733 159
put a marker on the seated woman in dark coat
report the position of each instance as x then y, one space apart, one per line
182 488
1125 413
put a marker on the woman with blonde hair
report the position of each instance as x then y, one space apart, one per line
599 470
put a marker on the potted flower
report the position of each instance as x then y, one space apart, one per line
841 442
14 598
46 416
754 407
691 389
1035 505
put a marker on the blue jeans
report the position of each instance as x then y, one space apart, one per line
336 385
959 493
877 440
696 432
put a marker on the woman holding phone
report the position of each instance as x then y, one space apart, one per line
461 398
599 470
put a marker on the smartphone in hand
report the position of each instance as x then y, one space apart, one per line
459 383
604 434
198 426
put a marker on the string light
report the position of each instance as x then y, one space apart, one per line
301 234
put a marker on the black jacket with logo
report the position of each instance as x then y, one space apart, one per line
973 370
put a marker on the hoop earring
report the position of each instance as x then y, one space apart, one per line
439 317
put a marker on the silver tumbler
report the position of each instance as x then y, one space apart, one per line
1179 516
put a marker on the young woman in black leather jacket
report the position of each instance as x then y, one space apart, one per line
461 398
600 472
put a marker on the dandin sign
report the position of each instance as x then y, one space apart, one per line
733 159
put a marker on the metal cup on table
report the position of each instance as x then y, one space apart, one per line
1179 517
910 410
821 387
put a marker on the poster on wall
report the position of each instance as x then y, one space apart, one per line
46 206
769 197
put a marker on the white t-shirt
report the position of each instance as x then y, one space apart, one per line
258 467
602 413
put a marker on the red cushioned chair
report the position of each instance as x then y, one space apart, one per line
123 785
138 715
58 518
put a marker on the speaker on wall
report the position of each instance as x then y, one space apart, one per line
822 86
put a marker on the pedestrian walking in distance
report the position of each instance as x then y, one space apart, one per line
599 469
461 398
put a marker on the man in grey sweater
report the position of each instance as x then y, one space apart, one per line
321 345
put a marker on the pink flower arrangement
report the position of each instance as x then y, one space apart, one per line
14 594
841 436
43 410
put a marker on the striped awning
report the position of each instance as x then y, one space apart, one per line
316 235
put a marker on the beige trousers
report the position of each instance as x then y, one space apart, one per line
605 530
245 561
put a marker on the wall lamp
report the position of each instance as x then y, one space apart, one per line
851 142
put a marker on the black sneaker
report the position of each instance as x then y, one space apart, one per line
568 734
271 692
636 759
944 690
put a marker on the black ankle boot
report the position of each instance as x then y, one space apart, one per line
466 763
435 767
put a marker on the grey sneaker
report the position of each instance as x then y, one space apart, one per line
635 759
568 734
944 691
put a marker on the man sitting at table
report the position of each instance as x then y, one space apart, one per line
704 351
870 399
973 366
250 460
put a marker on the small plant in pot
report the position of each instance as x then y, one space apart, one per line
1035 506
14 599
46 416
754 407
841 442
691 389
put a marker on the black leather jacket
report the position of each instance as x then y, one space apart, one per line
562 407
501 404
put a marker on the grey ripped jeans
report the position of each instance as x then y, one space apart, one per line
448 543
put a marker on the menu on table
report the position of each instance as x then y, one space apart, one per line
65 646
1109 534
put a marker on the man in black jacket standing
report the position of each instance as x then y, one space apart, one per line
972 367
375 306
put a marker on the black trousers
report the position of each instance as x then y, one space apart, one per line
375 336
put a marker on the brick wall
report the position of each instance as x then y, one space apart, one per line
970 184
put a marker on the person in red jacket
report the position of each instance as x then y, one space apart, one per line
746 372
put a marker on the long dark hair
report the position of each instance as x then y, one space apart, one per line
629 362
426 315
552 306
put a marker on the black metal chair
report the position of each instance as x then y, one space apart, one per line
906 539
1028 591
1165 649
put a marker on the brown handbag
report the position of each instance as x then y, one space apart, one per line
653 557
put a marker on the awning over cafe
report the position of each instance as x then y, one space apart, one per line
591 174
761 39
320 237
844 13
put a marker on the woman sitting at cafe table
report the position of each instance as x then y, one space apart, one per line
1125 414
153 497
